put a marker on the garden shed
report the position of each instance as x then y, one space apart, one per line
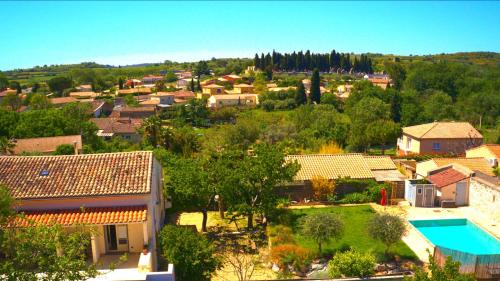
420 193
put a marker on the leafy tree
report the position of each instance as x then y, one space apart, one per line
329 98
39 101
258 175
315 93
321 227
151 128
201 69
130 100
65 149
8 122
121 82
12 101
36 249
59 84
397 73
351 264
188 185
269 73
260 83
193 256
4 82
16 86
170 77
438 106
300 94
387 228
383 132
160 85
449 272
191 85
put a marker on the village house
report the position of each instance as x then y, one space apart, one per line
151 79
118 195
141 112
452 185
125 128
184 75
46 145
474 164
230 78
3 94
133 83
212 89
219 101
490 152
185 83
243 89
62 101
484 195
337 166
439 138
135 91
165 99
84 88
84 95
183 96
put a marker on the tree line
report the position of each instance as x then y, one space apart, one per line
324 62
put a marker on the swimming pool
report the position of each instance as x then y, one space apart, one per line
458 234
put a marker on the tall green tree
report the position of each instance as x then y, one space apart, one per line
382 132
300 95
192 254
39 101
389 229
397 73
259 174
12 101
59 84
315 93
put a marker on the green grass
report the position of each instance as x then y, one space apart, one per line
356 235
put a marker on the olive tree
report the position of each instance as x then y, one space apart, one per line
387 228
321 227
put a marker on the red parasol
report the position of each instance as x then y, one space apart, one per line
383 201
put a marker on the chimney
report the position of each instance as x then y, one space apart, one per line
75 147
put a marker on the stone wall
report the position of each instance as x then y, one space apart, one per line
485 198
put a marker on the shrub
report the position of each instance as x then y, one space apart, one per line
355 198
192 254
322 187
267 105
387 228
65 149
351 264
280 234
291 255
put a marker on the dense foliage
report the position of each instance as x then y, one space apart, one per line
351 264
193 255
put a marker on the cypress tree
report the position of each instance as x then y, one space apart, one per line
256 61
191 85
315 93
300 95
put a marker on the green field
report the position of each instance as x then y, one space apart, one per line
355 235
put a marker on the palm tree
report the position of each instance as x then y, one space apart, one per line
7 145
151 128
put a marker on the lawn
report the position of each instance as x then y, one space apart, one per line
355 235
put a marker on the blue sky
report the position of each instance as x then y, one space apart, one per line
119 33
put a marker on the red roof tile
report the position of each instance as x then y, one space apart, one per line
446 177
115 215
30 177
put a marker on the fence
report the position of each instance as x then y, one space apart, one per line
482 266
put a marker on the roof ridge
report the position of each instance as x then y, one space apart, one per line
77 155
433 126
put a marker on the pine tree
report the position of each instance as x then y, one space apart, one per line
300 95
315 93
256 61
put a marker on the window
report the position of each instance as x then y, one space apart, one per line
218 91
408 143
436 146
419 190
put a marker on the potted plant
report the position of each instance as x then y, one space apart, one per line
145 249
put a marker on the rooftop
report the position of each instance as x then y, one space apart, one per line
46 144
332 166
493 148
474 164
32 177
446 177
443 130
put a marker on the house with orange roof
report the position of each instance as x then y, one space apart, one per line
118 195
125 128
212 89
439 138
490 152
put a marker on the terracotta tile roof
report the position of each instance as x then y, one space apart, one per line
117 125
83 94
162 94
30 177
331 166
63 100
493 148
379 80
114 215
215 86
474 164
446 177
234 96
380 162
46 145
134 91
443 130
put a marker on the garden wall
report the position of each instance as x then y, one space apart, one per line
485 197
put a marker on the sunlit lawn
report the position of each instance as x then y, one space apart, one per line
356 235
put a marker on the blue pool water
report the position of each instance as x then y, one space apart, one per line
458 234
